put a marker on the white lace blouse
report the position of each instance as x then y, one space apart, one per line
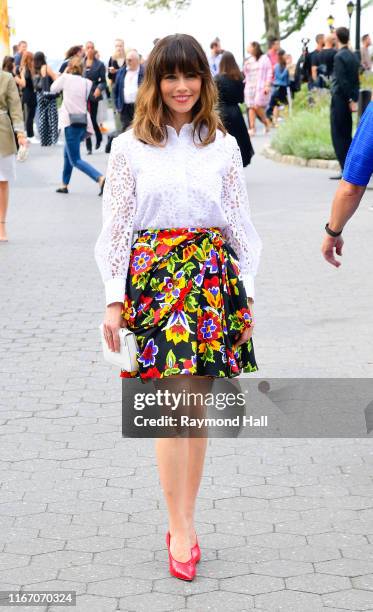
179 185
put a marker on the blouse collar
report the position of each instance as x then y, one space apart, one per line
185 131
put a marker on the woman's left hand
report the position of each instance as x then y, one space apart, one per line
248 332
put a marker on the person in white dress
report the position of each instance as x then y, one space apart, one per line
178 253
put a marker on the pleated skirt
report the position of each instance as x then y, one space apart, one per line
187 305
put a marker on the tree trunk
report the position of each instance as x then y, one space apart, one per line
271 19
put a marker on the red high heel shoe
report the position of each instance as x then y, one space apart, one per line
196 552
184 570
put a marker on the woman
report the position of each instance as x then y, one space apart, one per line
357 173
258 79
76 50
281 83
176 178
47 115
11 124
9 64
94 70
75 90
28 93
116 61
230 87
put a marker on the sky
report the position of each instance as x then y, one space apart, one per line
53 27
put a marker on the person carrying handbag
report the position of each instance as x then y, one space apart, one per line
74 119
46 112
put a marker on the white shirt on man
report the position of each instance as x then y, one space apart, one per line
131 85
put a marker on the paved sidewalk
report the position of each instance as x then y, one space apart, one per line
283 524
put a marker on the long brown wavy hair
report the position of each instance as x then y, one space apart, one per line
229 67
177 52
27 62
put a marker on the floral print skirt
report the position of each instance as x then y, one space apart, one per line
186 304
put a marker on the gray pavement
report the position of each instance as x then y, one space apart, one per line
284 524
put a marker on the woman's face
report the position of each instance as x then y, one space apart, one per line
90 50
180 91
119 48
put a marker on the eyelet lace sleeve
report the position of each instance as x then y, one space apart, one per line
240 231
113 246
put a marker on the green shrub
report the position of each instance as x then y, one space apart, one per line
306 133
366 81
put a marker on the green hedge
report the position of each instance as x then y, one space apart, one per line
306 132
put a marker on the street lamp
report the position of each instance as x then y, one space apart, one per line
350 9
330 21
358 20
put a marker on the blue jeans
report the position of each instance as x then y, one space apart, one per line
73 138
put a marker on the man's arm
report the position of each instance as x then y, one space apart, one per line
345 204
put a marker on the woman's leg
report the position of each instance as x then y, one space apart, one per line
4 198
196 461
74 136
67 167
252 117
180 463
260 112
96 127
276 113
29 119
172 458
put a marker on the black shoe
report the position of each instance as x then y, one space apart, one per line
98 143
102 188
62 190
89 152
336 178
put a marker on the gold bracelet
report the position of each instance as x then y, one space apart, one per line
20 135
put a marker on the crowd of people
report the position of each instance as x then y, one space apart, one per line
266 82
269 81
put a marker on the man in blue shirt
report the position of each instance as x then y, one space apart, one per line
357 172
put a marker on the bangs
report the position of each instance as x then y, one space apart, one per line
171 54
180 56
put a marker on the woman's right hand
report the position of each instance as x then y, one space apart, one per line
112 323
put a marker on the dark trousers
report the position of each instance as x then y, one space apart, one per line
126 115
93 108
29 109
341 127
279 96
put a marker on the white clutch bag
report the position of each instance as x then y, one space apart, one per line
126 358
22 154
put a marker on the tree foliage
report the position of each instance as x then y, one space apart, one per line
278 23
294 15
154 5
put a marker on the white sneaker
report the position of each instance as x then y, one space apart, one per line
34 140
